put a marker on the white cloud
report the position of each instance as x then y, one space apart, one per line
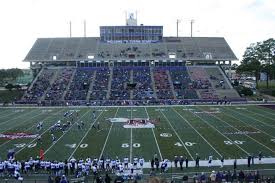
240 22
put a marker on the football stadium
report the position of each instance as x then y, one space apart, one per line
135 104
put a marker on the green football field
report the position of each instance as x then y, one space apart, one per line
229 131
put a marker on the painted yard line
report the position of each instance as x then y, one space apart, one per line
131 145
220 132
27 130
240 131
177 135
247 124
18 117
262 109
197 132
154 135
261 115
10 113
131 139
251 118
107 138
86 133
65 132
40 134
18 124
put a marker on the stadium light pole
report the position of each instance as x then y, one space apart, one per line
70 29
84 28
178 21
192 21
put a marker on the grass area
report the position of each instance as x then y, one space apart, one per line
229 131
262 84
8 96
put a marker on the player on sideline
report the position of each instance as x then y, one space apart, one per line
94 116
222 161
210 158
197 160
126 161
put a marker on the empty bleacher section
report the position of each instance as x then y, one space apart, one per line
195 48
221 83
143 88
201 82
119 88
59 86
100 87
79 87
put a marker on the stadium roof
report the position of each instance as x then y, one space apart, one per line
91 48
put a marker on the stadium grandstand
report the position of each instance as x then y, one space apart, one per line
129 65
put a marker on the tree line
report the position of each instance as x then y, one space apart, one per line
259 58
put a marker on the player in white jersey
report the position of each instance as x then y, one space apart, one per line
126 161
210 158
135 162
141 162
108 162
113 164
2 166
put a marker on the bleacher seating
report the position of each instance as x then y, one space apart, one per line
79 87
143 89
119 90
183 85
60 85
162 84
39 87
121 84
100 86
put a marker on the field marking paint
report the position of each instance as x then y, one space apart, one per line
131 145
40 134
239 131
263 109
177 135
252 118
19 117
197 132
154 135
65 132
219 132
131 139
26 130
247 124
85 133
107 138
260 115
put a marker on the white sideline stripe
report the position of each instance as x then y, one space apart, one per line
24 131
253 118
154 135
65 132
131 140
177 135
40 134
215 163
107 138
85 133
19 117
245 103
219 132
247 124
239 131
131 145
198 132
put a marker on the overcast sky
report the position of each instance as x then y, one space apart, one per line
241 22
